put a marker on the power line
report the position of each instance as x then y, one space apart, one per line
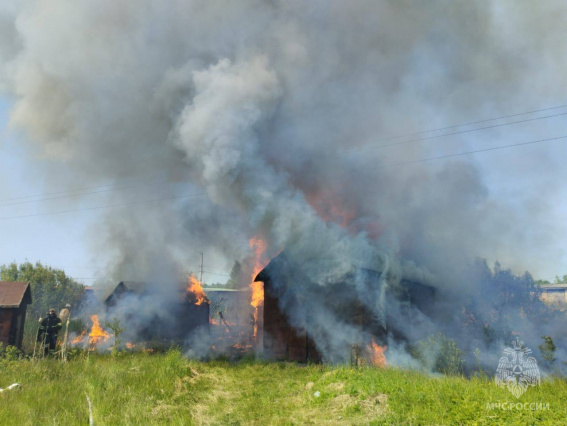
467 124
66 191
473 122
481 150
215 273
366 148
204 272
80 194
104 207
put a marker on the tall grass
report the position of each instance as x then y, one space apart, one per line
166 388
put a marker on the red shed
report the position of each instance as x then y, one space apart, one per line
14 300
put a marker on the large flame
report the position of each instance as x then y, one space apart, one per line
97 334
376 354
196 289
258 246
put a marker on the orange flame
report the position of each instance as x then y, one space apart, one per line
130 345
335 206
97 334
257 298
376 352
331 207
196 289
79 338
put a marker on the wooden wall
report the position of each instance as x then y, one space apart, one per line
12 325
281 340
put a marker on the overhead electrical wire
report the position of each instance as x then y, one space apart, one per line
470 123
481 150
204 272
104 207
215 273
83 193
473 122
109 187
370 147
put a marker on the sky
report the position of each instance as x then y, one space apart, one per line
54 240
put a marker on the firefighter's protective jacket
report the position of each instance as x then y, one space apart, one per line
50 325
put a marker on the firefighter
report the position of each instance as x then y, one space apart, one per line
48 330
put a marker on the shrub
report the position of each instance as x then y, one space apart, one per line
547 350
440 354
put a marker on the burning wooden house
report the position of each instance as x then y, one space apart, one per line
14 299
179 315
291 300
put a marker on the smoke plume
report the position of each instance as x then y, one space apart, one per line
264 119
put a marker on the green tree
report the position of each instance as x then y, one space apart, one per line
233 281
50 287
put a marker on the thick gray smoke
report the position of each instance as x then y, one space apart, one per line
257 110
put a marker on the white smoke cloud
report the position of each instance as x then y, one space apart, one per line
258 104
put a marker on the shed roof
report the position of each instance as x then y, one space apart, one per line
12 294
552 287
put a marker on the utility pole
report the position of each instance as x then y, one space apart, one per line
201 277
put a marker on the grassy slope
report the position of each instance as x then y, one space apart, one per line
166 388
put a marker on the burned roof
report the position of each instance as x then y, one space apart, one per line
13 294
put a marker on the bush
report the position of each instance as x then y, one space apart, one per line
440 354
9 353
547 350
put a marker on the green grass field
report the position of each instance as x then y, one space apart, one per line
166 388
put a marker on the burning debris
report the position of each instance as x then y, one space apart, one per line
377 355
232 321
95 338
98 334
79 338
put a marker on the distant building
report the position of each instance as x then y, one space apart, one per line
554 293
14 300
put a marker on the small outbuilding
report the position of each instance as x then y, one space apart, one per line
14 300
